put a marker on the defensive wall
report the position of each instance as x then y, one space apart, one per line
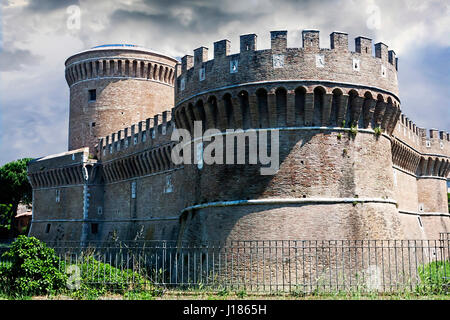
352 166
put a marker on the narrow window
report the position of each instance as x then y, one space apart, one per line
47 228
92 95
420 222
94 228
58 196
133 190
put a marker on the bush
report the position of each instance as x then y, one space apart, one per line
33 269
98 278
435 278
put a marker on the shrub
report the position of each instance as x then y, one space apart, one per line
98 278
435 277
33 269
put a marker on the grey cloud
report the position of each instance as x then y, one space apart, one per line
15 59
49 5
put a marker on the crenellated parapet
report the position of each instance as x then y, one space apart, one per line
65 169
114 61
425 153
333 67
142 149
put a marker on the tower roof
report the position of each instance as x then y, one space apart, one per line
122 46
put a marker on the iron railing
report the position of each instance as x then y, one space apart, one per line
302 266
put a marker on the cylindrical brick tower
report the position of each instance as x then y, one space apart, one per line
114 86
334 110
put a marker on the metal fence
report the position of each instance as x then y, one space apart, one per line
301 266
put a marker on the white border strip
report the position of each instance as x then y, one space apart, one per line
288 201
444 214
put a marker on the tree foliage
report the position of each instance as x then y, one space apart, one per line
14 185
32 269
14 189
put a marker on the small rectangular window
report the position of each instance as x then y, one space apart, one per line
133 190
58 195
47 228
94 228
92 95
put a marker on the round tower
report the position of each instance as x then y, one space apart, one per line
334 111
114 86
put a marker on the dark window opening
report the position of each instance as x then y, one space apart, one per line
92 95
93 124
420 222
94 228
47 228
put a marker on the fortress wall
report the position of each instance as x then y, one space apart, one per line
405 187
292 222
58 191
280 63
156 205
435 224
433 194
313 163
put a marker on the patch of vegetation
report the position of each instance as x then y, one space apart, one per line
378 131
32 269
353 130
435 278
14 189
98 278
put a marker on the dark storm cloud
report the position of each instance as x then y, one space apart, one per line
14 60
201 17
49 5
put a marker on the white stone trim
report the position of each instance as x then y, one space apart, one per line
444 214
288 201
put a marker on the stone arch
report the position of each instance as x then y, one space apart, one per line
184 119
127 68
155 72
262 107
161 73
119 67
318 105
190 116
368 109
335 101
281 106
199 113
214 112
245 109
300 94
429 169
228 105
350 116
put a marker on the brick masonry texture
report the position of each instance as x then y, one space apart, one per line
352 165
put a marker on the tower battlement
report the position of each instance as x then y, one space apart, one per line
144 134
336 64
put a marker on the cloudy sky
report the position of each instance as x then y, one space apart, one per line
36 36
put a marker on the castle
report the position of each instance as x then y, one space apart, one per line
351 164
